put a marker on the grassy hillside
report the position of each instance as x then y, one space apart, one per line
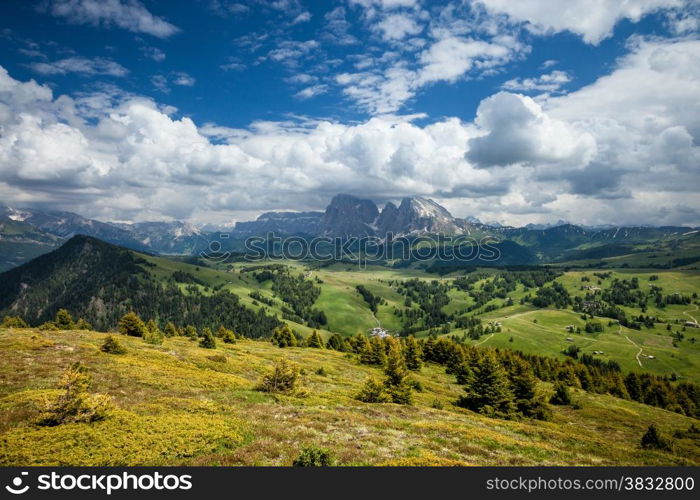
180 404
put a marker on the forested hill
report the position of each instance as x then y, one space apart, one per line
100 282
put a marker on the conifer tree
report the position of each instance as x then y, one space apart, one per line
83 325
413 354
112 346
490 391
315 340
397 381
336 342
191 332
524 387
13 322
373 391
226 335
171 330
284 337
131 324
373 353
652 439
561 395
63 320
207 341
153 334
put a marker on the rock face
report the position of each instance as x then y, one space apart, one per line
281 224
349 216
418 215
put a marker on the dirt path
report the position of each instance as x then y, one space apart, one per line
487 338
691 317
635 345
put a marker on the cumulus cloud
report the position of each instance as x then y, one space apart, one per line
130 15
518 131
593 21
620 150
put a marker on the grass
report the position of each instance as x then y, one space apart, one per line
175 405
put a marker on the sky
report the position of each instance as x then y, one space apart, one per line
214 111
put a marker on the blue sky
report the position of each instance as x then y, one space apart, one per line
487 106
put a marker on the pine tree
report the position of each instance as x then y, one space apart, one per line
207 341
315 340
13 322
284 337
358 342
63 320
413 354
561 395
284 378
171 330
76 404
336 342
191 332
524 386
373 391
490 391
652 439
397 381
131 324
153 334
373 353
112 346
226 335
83 325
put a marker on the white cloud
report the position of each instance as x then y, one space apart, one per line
593 20
302 18
398 27
519 132
130 15
550 82
81 65
620 150
312 91
153 53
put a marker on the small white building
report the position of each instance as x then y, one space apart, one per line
380 332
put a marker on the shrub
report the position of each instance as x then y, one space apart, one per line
131 324
48 326
13 322
321 371
284 337
217 358
83 325
76 405
171 330
311 456
207 341
561 395
653 440
285 378
112 346
315 340
63 320
437 404
153 334
373 391
191 332
226 335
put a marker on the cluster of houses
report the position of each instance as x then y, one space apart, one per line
591 288
692 324
380 332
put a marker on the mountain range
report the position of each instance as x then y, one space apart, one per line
27 233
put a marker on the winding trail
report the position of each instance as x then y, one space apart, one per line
487 338
688 311
635 345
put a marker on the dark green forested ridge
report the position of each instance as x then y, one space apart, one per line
101 282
